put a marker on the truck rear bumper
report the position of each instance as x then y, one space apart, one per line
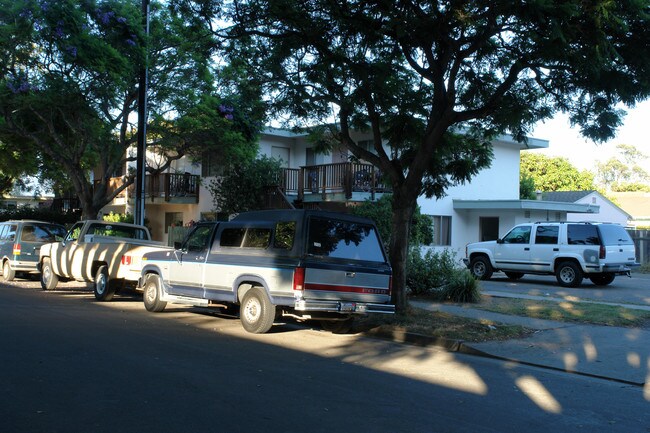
343 307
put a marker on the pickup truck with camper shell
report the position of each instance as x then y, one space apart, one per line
309 265
91 251
569 250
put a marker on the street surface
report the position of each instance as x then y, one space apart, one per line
625 290
71 364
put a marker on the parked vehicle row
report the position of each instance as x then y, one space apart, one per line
309 265
568 250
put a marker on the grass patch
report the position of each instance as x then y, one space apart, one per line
566 311
443 325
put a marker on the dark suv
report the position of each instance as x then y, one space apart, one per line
20 242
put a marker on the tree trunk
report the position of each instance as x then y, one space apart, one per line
403 208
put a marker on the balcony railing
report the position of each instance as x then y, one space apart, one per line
346 178
168 186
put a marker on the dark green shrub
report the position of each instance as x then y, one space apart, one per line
40 214
426 274
461 287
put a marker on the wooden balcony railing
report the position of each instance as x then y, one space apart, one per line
345 177
169 186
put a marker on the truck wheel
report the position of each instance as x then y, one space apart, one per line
569 274
602 279
49 279
151 295
481 268
102 287
257 313
337 326
7 273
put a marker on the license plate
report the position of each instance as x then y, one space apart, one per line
353 307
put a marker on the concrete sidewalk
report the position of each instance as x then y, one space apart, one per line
621 354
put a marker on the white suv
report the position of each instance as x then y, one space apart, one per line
568 250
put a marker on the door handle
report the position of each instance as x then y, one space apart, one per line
526 249
556 249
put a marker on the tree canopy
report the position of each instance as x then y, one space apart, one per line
625 172
69 86
553 173
436 81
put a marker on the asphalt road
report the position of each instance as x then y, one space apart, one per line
625 290
70 364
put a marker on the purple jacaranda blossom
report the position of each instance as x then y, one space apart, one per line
121 20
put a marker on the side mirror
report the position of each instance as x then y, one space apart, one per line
500 241
177 245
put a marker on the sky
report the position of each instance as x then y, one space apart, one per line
584 154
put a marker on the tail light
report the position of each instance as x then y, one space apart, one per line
16 249
390 285
299 279
603 252
126 260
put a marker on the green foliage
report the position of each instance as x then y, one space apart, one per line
380 211
625 172
526 187
645 268
119 218
69 86
462 287
244 185
553 173
426 274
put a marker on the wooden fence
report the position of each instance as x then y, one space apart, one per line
642 242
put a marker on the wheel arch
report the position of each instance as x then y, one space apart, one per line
244 283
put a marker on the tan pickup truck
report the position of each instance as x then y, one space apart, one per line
91 252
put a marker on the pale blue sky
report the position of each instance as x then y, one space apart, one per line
567 142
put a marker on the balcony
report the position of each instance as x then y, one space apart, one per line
161 188
340 182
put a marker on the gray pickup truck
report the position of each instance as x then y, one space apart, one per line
311 265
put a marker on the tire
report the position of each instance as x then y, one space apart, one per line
103 287
569 274
257 313
337 326
7 272
514 275
481 268
49 279
151 295
602 279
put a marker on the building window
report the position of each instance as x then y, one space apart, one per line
441 230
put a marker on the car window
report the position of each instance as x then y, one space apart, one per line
11 233
285 231
232 237
117 231
613 234
74 232
43 233
582 234
3 231
344 240
545 235
518 235
257 238
198 239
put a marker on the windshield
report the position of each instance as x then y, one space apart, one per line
344 240
615 235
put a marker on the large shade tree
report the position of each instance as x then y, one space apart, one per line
69 87
554 173
434 81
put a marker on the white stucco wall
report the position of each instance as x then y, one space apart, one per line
608 211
